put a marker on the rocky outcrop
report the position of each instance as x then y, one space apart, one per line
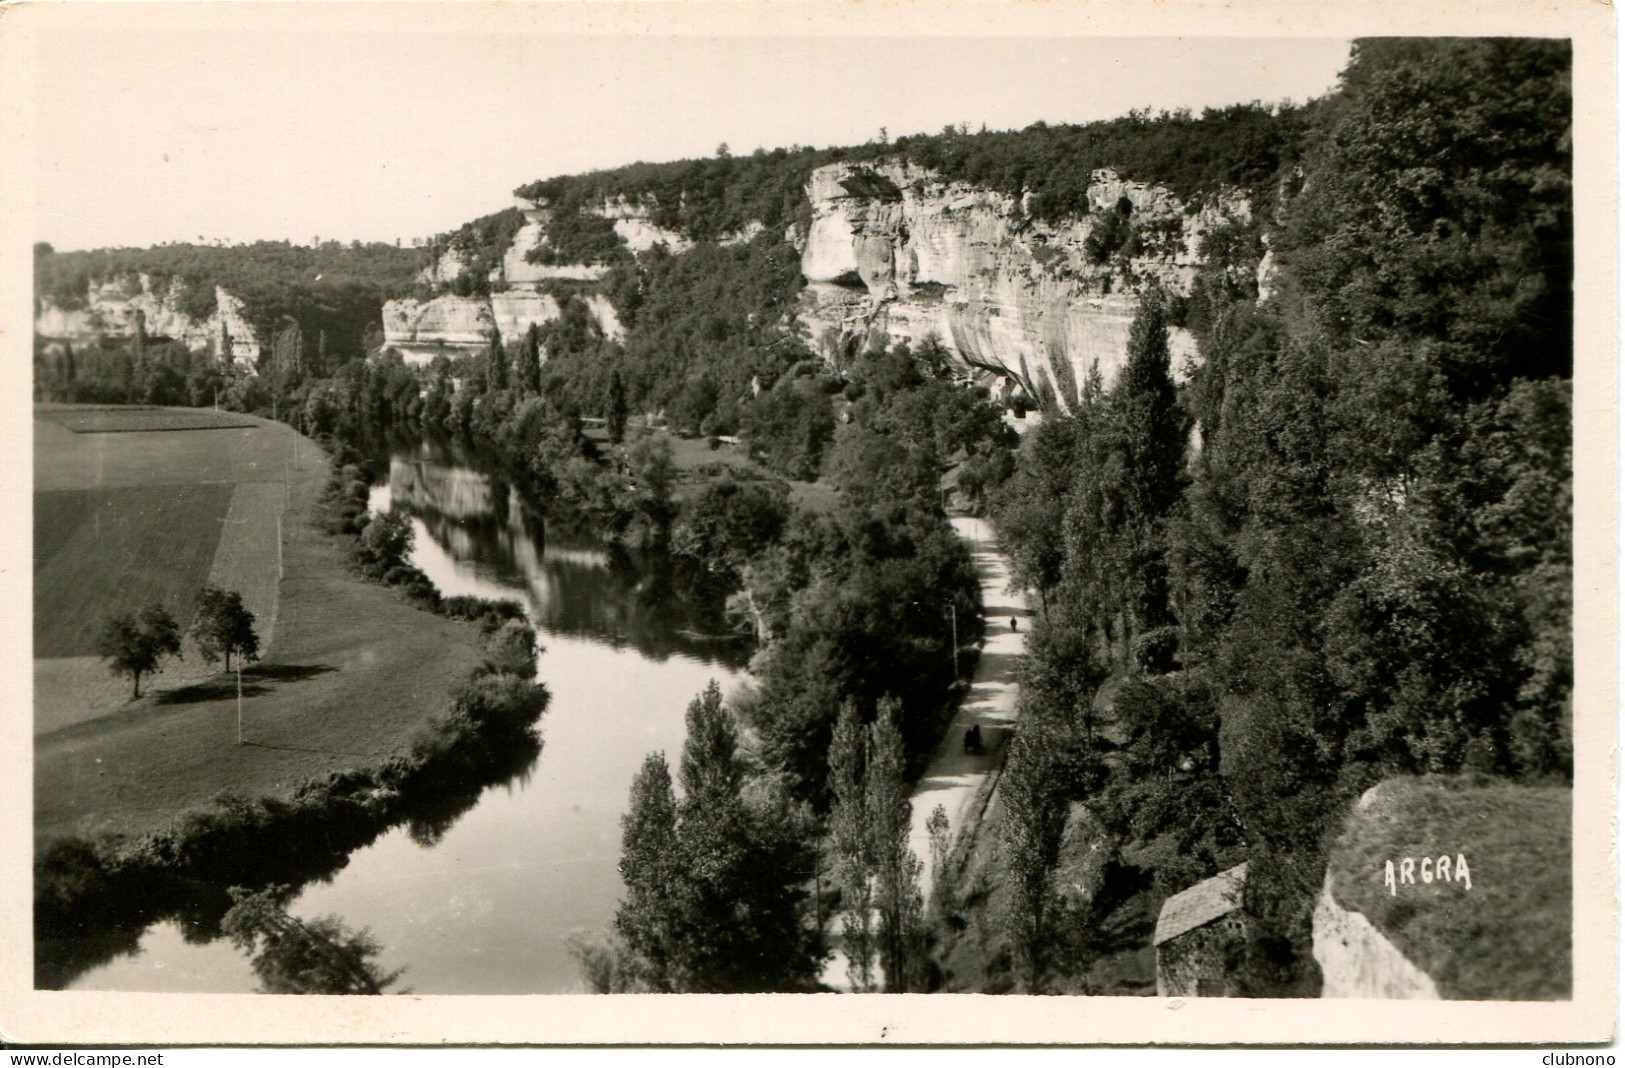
514 310
1453 887
516 269
894 251
604 312
423 329
115 306
1085 850
1356 961
634 228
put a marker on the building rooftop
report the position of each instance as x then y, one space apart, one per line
1203 903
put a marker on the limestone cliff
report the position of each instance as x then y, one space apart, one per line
115 306
422 329
450 324
895 251
515 269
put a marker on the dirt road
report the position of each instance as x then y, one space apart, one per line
954 777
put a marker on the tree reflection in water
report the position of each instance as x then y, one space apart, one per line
294 956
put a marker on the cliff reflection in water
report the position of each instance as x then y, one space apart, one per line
487 541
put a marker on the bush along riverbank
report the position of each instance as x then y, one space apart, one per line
94 898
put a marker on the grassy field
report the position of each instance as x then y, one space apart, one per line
117 550
83 419
350 672
1508 937
63 460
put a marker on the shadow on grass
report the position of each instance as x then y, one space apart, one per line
286 672
224 686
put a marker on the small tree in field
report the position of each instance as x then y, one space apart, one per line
224 627
136 644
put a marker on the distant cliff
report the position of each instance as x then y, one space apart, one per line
115 306
448 324
520 280
894 250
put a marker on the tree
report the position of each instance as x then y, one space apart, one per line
1152 426
1034 818
728 524
709 770
654 473
649 866
789 426
224 627
530 361
387 540
135 644
897 869
852 844
616 417
70 374
874 863
715 899
496 365
287 358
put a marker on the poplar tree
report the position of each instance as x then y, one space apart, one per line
645 919
530 361
852 842
715 901
496 365
617 408
897 869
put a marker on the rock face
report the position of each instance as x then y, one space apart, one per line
1080 866
1356 961
115 307
632 226
895 251
514 310
448 325
423 329
517 270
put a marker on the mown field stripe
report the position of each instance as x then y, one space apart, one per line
130 548
246 558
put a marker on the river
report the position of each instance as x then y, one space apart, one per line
485 905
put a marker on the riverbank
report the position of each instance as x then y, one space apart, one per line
94 899
351 674
480 898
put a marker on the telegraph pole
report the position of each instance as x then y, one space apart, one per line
239 699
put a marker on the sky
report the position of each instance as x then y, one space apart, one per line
222 122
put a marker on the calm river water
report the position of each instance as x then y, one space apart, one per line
487 907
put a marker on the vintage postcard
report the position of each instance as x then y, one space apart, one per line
809 523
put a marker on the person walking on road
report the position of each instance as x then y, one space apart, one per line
1012 622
